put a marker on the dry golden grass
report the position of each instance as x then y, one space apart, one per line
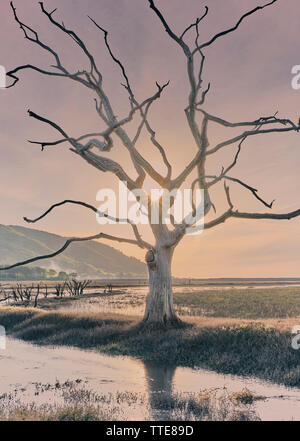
281 324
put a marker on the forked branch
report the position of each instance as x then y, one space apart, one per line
233 28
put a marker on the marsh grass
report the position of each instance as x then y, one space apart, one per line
248 303
244 303
72 402
248 349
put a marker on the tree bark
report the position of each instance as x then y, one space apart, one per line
159 301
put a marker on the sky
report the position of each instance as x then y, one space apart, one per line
250 75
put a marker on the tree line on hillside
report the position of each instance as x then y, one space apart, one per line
35 273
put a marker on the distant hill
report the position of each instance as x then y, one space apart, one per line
88 259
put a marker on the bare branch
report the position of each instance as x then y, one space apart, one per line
35 39
252 189
172 34
258 122
152 133
278 216
244 215
232 29
204 93
199 159
32 35
12 73
66 245
178 181
59 204
225 171
218 220
106 134
76 38
116 60
234 162
232 179
251 133
90 81
47 121
227 191
105 164
142 243
194 25
100 162
135 103
236 214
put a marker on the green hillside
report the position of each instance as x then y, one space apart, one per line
88 259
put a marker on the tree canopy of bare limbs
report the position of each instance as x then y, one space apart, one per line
93 147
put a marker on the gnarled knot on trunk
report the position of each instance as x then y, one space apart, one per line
150 259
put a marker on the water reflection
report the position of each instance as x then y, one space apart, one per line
159 381
281 403
22 363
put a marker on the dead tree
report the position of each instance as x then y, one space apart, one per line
60 289
23 295
36 296
46 291
94 147
77 287
3 295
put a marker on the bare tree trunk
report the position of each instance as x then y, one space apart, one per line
159 302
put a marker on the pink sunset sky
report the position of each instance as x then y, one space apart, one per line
250 75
